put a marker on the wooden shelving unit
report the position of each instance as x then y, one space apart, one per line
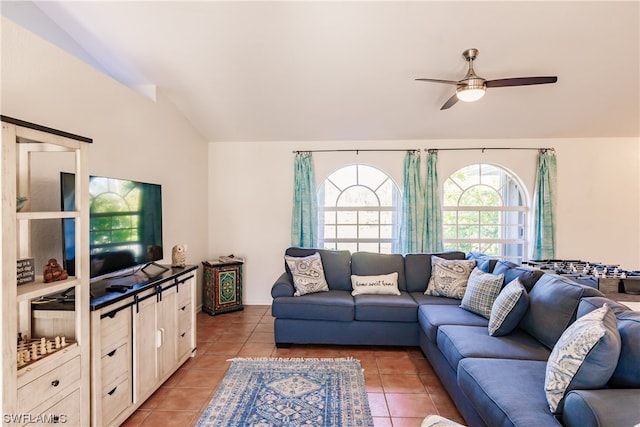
55 388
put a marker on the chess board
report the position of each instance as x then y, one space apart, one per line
32 350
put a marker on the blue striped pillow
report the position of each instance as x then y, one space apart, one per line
508 309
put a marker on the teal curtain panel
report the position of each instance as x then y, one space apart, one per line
304 219
412 225
544 246
433 211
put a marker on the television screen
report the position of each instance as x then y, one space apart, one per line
125 223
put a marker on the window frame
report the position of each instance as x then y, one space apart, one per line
384 244
510 248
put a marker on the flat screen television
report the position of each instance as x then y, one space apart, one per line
125 224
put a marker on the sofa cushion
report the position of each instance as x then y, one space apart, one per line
336 265
459 342
506 392
421 299
484 262
449 277
386 308
584 357
508 309
386 284
627 373
528 276
417 268
374 264
553 303
307 273
482 290
594 408
431 317
331 305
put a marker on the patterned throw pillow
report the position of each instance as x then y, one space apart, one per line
308 274
508 308
449 277
584 357
438 421
482 290
386 284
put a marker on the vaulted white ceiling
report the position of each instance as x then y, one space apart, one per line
319 70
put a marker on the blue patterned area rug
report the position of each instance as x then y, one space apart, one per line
290 392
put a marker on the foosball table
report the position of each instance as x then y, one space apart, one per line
616 283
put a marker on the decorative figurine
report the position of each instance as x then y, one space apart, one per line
179 256
52 271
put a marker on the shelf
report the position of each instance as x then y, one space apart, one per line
38 288
47 215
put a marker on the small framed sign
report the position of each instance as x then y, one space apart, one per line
25 271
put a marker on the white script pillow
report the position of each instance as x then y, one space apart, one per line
386 284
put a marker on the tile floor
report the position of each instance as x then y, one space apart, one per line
402 386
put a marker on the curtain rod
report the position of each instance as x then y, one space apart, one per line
355 150
431 150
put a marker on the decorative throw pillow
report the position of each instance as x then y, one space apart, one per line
449 277
508 308
307 273
482 290
386 284
438 421
584 357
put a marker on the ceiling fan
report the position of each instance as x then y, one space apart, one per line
472 87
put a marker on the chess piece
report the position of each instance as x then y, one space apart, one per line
52 271
57 342
26 355
20 359
49 347
179 256
43 346
34 351
63 341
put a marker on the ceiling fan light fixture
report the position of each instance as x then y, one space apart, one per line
470 94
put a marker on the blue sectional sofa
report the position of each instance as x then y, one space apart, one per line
493 380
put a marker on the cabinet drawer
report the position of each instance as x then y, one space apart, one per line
184 343
184 317
49 384
184 293
64 412
115 364
115 330
115 400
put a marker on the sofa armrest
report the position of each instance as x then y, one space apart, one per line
283 286
604 407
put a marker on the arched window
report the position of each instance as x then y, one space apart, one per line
484 210
359 210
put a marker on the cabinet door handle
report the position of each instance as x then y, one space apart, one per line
159 337
183 334
112 352
55 383
183 308
112 391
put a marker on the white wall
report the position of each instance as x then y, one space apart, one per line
250 194
133 137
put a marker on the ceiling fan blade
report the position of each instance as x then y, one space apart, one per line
521 81
449 82
450 102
